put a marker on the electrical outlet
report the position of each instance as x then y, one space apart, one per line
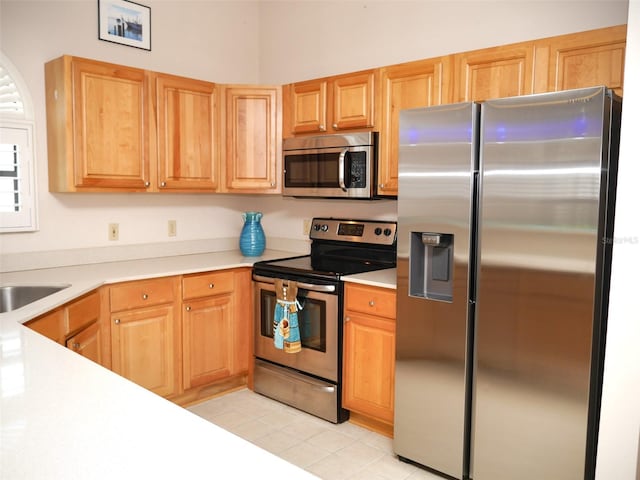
114 231
172 228
306 226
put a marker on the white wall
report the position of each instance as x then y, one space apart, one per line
310 39
248 42
618 452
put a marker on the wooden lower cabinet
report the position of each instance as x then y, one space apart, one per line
216 316
143 347
145 334
78 325
89 343
369 356
206 340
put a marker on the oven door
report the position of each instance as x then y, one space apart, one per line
318 323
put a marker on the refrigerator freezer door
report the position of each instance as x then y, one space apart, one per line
542 174
436 176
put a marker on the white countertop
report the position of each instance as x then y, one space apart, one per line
65 417
380 278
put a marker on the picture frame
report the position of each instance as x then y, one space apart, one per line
124 22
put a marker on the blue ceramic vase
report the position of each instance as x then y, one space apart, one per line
252 240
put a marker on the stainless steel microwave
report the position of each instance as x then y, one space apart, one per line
331 166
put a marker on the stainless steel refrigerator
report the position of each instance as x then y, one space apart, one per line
505 224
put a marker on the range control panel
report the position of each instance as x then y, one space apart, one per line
360 231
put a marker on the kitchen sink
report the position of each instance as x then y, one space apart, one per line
17 296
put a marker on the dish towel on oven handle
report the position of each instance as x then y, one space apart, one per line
286 333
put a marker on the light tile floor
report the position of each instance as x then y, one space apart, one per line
329 451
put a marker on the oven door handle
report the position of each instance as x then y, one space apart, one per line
307 286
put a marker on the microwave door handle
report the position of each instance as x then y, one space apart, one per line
341 169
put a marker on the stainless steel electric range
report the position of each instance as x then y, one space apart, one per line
311 378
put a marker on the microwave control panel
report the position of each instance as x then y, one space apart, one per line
357 170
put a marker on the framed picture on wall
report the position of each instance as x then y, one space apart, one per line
124 22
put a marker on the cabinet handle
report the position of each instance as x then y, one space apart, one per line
322 128
335 126
117 321
347 319
381 185
163 184
188 308
76 346
145 296
211 285
371 303
273 184
146 184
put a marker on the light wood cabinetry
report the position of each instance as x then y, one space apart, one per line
331 104
504 71
408 85
584 59
369 355
97 126
145 337
187 133
79 326
252 131
215 323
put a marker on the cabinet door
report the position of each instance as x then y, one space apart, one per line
143 349
369 358
51 325
207 340
110 127
88 343
584 59
353 101
494 73
410 85
308 104
187 142
253 116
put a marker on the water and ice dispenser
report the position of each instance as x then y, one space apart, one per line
431 266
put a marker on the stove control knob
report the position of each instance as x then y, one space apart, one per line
377 231
325 227
316 227
387 232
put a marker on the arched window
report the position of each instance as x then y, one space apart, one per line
17 159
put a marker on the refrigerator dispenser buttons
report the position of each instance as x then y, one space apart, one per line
430 266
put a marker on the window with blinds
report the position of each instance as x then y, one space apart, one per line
17 194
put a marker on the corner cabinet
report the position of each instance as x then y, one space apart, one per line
409 85
369 355
79 326
187 133
97 126
252 131
144 333
331 104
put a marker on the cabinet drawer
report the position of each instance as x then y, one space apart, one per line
371 300
206 284
143 293
83 312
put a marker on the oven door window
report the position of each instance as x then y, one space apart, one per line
312 319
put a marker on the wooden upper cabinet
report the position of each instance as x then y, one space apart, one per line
584 59
331 104
187 129
408 85
353 101
252 133
494 72
97 126
308 106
